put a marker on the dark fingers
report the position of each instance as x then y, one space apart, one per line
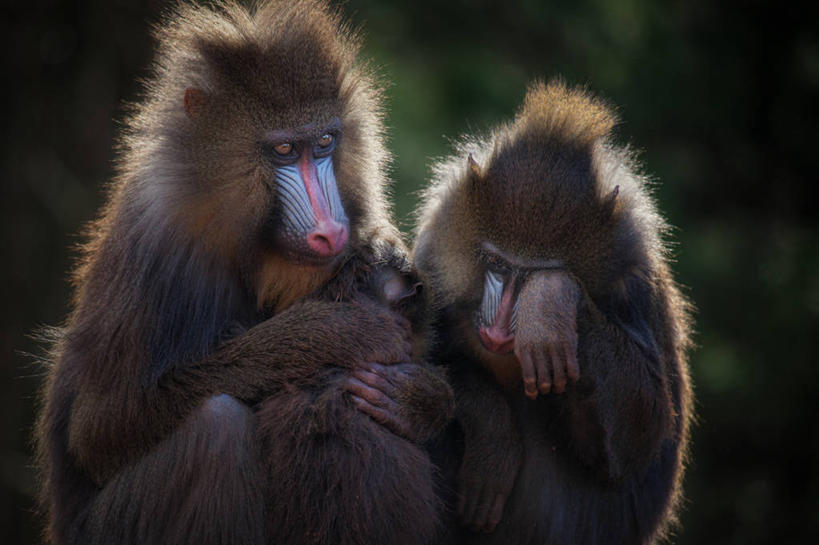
543 375
370 394
527 369
572 367
376 380
558 369
473 495
380 415
496 513
482 511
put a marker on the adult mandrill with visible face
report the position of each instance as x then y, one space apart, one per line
563 330
232 372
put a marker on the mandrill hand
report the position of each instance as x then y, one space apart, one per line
411 400
488 470
546 334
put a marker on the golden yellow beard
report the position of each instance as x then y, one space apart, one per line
280 282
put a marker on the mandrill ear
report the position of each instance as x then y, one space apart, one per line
475 171
196 100
474 167
610 201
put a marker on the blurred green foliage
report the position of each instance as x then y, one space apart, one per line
720 97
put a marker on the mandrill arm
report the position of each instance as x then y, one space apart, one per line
113 425
493 450
619 409
546 336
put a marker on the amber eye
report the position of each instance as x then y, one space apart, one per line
284 149
325 140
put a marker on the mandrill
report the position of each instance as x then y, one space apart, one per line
562 328
236 368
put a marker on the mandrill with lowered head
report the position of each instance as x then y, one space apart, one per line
236 287
563 330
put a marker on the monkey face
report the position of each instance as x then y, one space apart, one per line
309 221
496 317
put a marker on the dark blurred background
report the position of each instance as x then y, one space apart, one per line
722 97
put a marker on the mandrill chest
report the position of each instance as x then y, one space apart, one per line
281 281
505 369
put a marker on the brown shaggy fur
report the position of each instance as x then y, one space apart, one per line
601 463
194 394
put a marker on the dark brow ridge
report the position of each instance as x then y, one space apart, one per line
516 262
300 133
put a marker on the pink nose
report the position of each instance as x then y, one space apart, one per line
328 239
497 340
